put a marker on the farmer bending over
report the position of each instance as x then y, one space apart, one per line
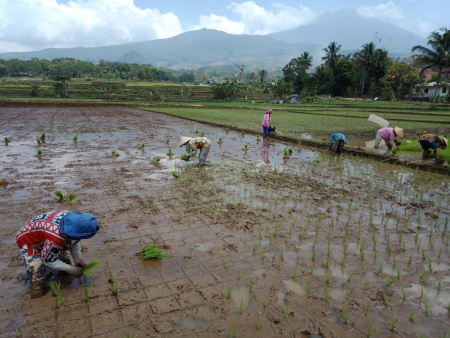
44 242
389 136
337 141
432 141
196 143
266 123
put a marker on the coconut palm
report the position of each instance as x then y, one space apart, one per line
437 55
332 55
331 59
368 59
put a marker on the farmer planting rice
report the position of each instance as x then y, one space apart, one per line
196 143
337 142
266 123
432 141
44 242
389 135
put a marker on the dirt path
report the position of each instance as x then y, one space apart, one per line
261 245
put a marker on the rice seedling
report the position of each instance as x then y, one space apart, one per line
241 306
233 331
75 139
156 160
438 286
287 311
39 152
71 198
369 330
344 316
258 323
265 301
89 268
350 276
6 139
393 324
152 135
176 175
142 146
38 141
251 287
128 334
60 195
88 291
111 278
326 294
55 287
114 153
115 288
386 300
263 255
427 307
152 252
390 282
229 293
59 300
367 309
43 136
307 286
254 247
279 265
328 277
294 274
412 315
403 295
239 275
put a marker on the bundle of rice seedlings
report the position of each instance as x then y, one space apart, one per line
152 252
88 270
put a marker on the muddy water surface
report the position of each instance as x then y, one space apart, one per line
260 244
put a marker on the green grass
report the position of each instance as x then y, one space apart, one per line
413 145
291 121
152 252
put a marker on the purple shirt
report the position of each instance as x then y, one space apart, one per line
387 133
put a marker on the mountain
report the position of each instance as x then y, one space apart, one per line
204 48
352 31
208 48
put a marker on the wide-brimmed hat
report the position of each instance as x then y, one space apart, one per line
269 111
184 140
78 225
398 131
443 139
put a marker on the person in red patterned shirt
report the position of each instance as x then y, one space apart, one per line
45 240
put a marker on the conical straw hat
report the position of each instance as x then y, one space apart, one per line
184 140
398 131
445 141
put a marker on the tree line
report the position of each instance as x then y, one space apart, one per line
369 72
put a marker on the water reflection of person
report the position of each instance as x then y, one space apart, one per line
265 152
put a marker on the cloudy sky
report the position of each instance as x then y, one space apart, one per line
37 24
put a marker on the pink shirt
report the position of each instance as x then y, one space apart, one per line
387 133
266 120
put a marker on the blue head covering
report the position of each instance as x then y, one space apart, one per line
77 225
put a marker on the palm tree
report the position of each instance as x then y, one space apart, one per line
332 55
436 56
331 59
367 59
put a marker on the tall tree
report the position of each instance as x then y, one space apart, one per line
331 59
295 72
370 61
437 55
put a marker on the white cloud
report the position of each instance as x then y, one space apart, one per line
254 19
387 11
38 24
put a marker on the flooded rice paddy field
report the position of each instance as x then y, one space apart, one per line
260 244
